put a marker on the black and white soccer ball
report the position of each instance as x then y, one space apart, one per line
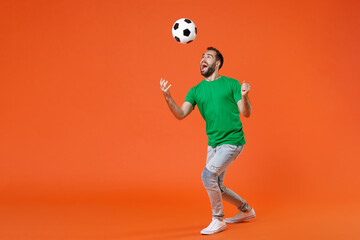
184 30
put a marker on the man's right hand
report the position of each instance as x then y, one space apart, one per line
179 113
165 89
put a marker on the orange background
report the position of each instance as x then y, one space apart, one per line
82 113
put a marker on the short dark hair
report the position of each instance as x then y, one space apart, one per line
218 57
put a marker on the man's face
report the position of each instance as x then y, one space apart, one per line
207 63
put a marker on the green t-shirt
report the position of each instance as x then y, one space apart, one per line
217 103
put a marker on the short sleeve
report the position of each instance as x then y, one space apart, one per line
190 97
237 90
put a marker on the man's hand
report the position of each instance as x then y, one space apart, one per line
179 113
245 88
244 103
165 89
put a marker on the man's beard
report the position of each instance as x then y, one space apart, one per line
209 71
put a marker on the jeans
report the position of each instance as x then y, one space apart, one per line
218 160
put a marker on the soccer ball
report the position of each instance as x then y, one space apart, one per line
184 30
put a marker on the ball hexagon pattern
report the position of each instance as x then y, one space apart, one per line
184 30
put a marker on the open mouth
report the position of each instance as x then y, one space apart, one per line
203 66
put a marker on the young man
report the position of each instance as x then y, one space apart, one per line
219 99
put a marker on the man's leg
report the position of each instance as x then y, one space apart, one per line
245 211
219 159
231 197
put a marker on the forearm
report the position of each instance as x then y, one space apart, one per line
175 109
246 106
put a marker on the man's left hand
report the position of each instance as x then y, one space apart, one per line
245 88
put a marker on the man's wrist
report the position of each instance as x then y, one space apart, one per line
167 97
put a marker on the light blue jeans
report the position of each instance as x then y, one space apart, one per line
218 160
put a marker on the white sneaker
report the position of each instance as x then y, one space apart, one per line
241 216
215 226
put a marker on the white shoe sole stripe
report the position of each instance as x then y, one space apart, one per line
240 220
213 232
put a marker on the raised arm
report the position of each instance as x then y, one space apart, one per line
244 104
179 112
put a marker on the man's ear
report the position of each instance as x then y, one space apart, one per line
218 63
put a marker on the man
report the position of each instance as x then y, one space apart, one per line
219 99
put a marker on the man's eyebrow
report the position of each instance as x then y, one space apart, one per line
208 54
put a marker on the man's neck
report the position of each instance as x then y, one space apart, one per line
213 76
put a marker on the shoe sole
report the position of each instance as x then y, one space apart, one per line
213 232
240 220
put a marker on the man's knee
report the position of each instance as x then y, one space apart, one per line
208 178
222 188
